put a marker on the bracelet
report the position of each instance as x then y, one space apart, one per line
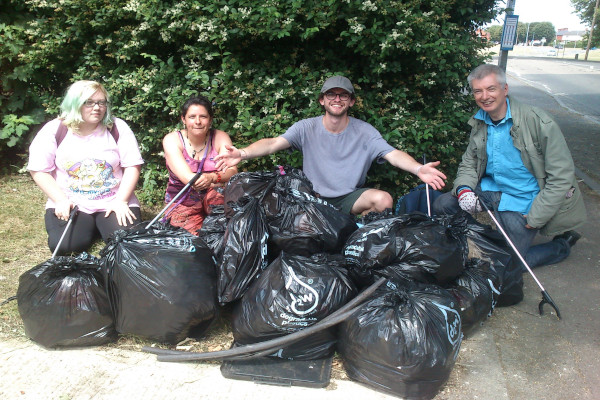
418 169
243 155
218 177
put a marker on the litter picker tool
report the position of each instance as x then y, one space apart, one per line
184 189
546 299
181 193
69 222
427 191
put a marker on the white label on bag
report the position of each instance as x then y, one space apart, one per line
302 303
453 324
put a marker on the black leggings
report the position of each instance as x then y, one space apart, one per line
84 229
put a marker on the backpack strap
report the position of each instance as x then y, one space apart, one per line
61 132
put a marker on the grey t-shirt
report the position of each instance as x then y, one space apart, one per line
337 164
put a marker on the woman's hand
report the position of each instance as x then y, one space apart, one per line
122 211
205 181
62 209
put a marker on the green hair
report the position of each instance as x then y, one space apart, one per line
76 95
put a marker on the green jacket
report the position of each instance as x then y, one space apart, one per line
545 154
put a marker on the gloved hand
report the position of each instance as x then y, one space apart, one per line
467 200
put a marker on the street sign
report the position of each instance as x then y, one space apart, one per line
509 33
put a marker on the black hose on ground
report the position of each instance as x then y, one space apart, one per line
270 346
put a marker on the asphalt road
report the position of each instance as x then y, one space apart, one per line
541 82
575 85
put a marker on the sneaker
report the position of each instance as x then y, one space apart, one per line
570 236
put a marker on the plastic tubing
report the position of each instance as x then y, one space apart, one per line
267 347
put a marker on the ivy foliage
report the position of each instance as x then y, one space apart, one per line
261 62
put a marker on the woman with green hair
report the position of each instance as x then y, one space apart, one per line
89 159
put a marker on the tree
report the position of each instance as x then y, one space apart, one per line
522 32
543 30
261 61
585 10
495 32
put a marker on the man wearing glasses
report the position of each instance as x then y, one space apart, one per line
338 151
518 163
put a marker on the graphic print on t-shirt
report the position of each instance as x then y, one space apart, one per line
92 179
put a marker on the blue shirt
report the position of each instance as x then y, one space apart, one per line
505 171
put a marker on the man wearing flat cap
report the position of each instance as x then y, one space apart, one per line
337 151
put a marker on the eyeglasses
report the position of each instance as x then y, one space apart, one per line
332 96
92 103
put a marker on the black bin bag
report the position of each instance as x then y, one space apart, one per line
244 251
403 341
308 225
488 244
161 282
63 303
268 186
476 291
293 293
249 185
213 230
410 245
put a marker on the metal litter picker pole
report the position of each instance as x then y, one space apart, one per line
181 192
427 191
546 299
69 222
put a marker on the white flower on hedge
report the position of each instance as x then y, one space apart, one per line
237 74
166 36
358 28
382 66
245 12
279 95
133 5
269 81
237 125
368 6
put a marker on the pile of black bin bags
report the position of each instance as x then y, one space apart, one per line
158 283
283 260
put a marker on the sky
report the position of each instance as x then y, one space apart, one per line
559 12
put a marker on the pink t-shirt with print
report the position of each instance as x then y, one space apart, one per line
88 169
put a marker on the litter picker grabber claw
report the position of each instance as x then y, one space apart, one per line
181 192
546 299
69 222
